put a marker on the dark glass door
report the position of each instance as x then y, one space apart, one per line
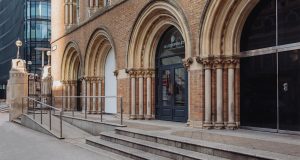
289 90
172 96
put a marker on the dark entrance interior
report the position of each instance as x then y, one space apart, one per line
171 78
270 66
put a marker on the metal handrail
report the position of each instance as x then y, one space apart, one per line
101 109
47 106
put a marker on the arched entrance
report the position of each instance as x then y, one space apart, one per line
110 83
270 67
171 79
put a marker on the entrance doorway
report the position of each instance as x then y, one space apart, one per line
110 83
270 67
171 78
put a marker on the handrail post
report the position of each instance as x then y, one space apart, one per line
41 113
61 124
34 103
53 99
73 108
85 108
101 110
121 110
22 105
27 105
50 118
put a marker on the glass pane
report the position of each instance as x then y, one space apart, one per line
166 88
259 91
289 90
179 87
288 21
171 60
260 28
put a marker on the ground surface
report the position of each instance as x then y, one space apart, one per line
17 142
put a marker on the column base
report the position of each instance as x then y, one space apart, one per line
219 125
148 117
140 117
207 125
132 117
231 126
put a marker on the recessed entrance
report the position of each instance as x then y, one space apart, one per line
270 67
171 78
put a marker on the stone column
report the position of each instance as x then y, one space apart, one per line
94 94
83 94
74 100
133 103
69 94
149 93
141 95
231 122
219 65
99 94
71 13
88 90
207 94
66 12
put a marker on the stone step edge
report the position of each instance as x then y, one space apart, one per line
169 149
126 151
213 145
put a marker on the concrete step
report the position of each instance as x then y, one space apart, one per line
123 150
205 147
17 120
156 148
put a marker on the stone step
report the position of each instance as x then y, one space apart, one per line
156 148
122 150
17 120
205 147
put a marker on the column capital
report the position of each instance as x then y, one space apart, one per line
231 62
132 73
218 62
207 62
187 62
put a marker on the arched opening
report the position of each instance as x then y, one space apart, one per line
270 66
110 83
71 75
171 77
99 73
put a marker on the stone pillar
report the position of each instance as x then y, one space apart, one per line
94 94
133 103
219 65
141 95
88 90
83 94
17 87
69 94
66 12
74 93
231 106
99 94
207 93
149 95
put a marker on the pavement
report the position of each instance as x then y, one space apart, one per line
18 142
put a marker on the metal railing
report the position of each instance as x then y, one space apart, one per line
84 99
35 105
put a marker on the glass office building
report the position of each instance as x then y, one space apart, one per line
37 32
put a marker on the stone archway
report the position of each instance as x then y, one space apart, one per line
221 28
99 46
152 22
71 71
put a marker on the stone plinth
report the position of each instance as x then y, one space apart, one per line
17 87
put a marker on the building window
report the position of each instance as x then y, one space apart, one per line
71 12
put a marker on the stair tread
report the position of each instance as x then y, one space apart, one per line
158 146
122 148
213 145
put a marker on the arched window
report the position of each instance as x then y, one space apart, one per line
71 12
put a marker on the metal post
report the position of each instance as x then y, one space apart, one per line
101 111
73 108
62 106
121 110
22 105
50 117
53 99
41 113
61 124
34 103
85 109
27 104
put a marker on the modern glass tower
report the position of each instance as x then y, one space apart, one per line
37 32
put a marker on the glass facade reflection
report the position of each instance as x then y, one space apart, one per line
37 32
270 76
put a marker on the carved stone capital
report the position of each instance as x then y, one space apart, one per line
187 62
231 62
218 62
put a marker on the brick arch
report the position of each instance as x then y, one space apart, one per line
221 26
71 62
153 20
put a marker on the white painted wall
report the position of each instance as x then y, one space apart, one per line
110 83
